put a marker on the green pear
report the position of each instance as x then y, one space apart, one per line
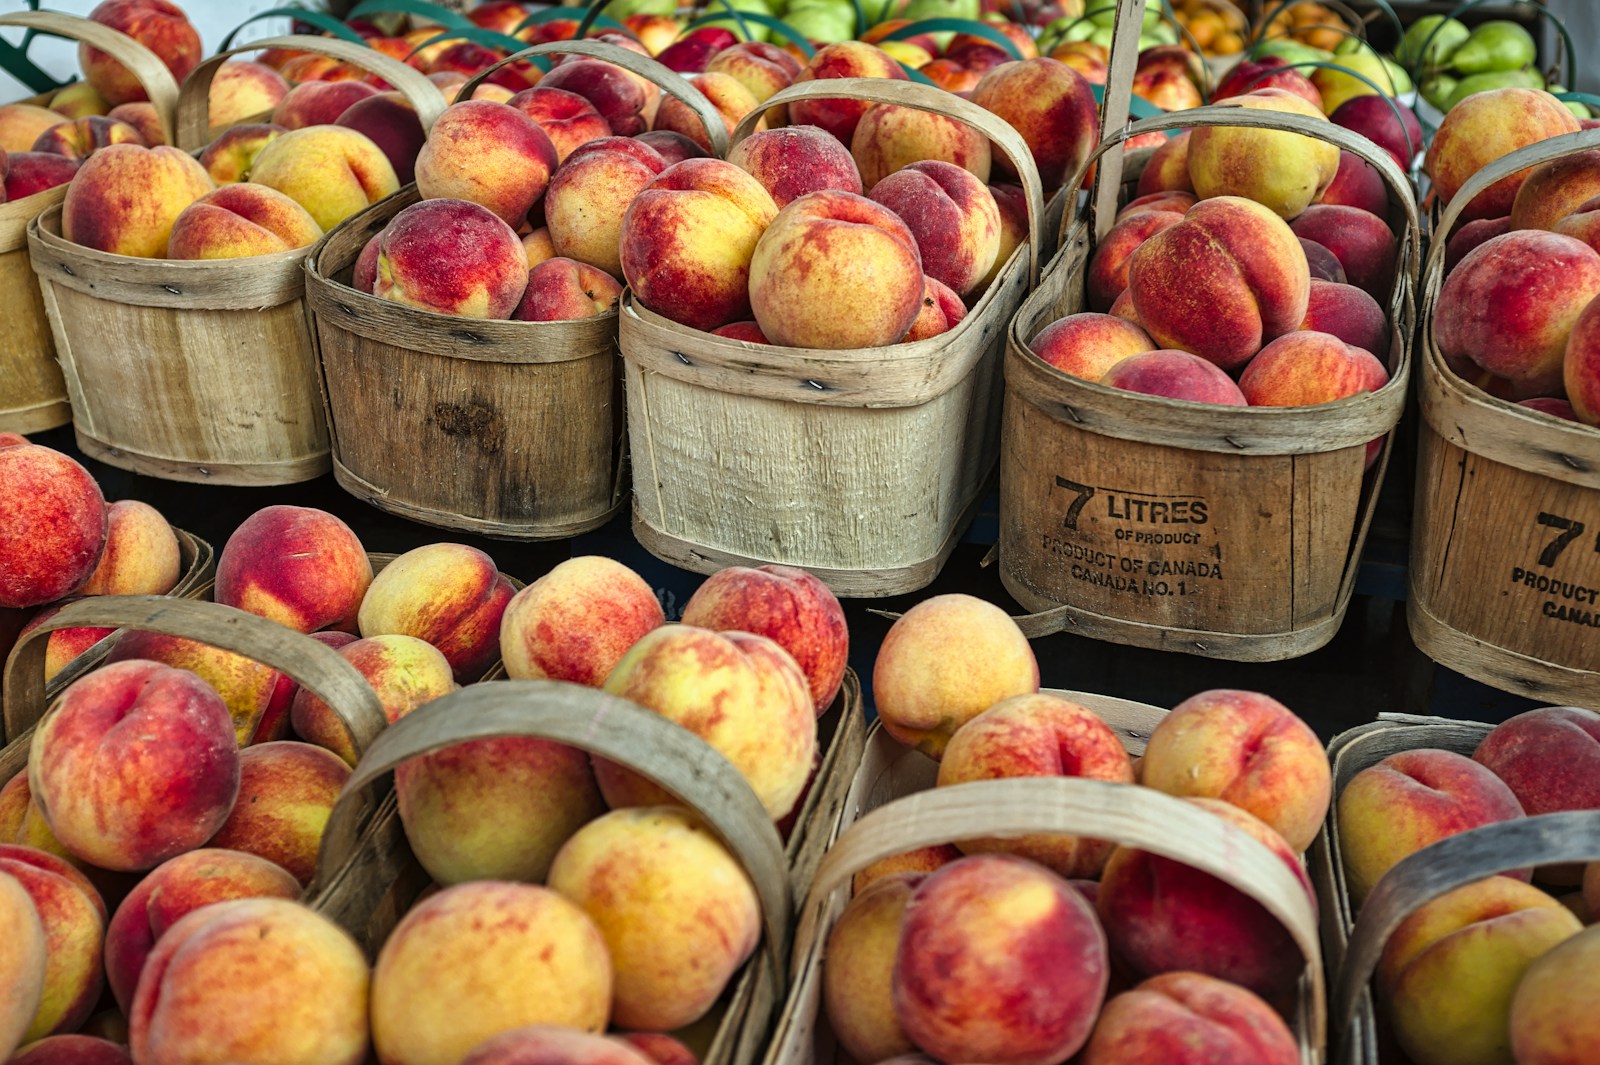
1495 46
621 9
1579 110
1437 90
826 23
1291 51
917 10
1526 78
1449 35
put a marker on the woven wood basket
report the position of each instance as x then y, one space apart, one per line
1505 559
197 370
892 806
33 394
506 429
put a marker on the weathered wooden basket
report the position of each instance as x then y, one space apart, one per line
1229 532
506 429
892 807
861 466
1505 560
200 370
33 394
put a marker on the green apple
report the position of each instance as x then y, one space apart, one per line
1495 46
1447 34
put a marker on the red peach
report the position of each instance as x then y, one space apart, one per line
74 920
33 172
63 645
81 139
404 671
1169 77
749 332
1373 116
1172 200
471 59
364 275
690 55
390 121
951 76
1051 106
1174 375
231 156
489 153
72 1050
1558 408
1542 754
450 595
1305 368
451 257
141 555
890 138
1583 223
921 860
577 621
672 146
727 94
286 792
331 171
1581 366
1324 265
661 1049
1357 184
239 221
942 310
1362 242
1349 314
1087 345
141 116
1167 169
566 118
242 90
1268 72
100 213
160 26
319 103
590 194
1556 189
1190 1019
1086 57
298 566
253 693
1107 276
1490 125
562 289
615 93
795 160
846 59
53 525
952 216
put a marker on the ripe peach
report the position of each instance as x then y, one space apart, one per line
74 920
846 59
1285 171
1107 276
32 172
951 214
232 156
1305 368
890 138
942 310
79 100
1052 106
81 139
298 566
22 124
286 792
1362 242
1175 201
1087 345
306 67
141 555
1324 265
489 153
331 171
242 90
661 1049
319 103
795 160
1349 314
999 960
568 119
62 645
671 146
1174 375
1167 169
951 76
1556 189
1373 116
577 621
1226 280
1581 366
727 94
944 662
252 981
536 244
1551 1020
471 58
1409 800
72 1050
1038 736
160 26
53 525
858 975
451 257
1583 223
1542 754
450 595
562 289
24 958
687 241
762 68
1267 72
404 671
1167 76
590 194
743 694
690 54
548 1044
869 295
1356 184
101 213
1190 1019
615 93
177 887
1013 204
1482 128
921 860
480 959
142 116
239 221
390 121
1558 408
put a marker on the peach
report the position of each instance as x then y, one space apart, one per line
548 1044
1107 276
252 981
1176 201
72 1050
1450 969
1174 374
490 154
141 555
727 94
1052 106
615 93
795 160
1581 366
661 1049
1323 264
502 16
1013 204
286 792
1167 169
1556 189
678 913
1373 116
1087 345
846 59
741 693
63 645
319 68
786 605
1357 184
24 958
1086 57
141 116
1349 314
100 213
1226 280
672 146
239 221
890 138
74 920
173 889
590 194
1551 1019
242 90
254 694
81 139
79 100
951 76
231 156
1190 1019
1038 736
951 214
480 959
568 119
1247 749
1268 72
451 257
1510 306
390 121
1482 128
687 241
944 662
319 103
1541 755
1285 171
1407 801
762 68
562 289
160 26
1169 77
577 621
999 960
921 860
1305 368
331 171
858 973
1362 242
404 671
655 32
942 310
471 58
22 124
537 244
1161 915
1558 408
450 595
868 294
690 54
298 566
1583 223
53 525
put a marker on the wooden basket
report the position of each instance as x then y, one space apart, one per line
196 370
33 394
862 466
1505 560
892 806
1228 532
505 429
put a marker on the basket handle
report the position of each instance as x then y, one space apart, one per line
1121 61
318 668
1128 815
667 80
142 63
1454 862
935 101
605 725
194 101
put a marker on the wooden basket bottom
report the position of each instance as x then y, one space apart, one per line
1228 646
35 417
1496 666
254 474
846 583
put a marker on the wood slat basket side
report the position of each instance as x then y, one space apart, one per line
33 393
201 370
354 868
1505 560
893 806
1228 532
862 466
